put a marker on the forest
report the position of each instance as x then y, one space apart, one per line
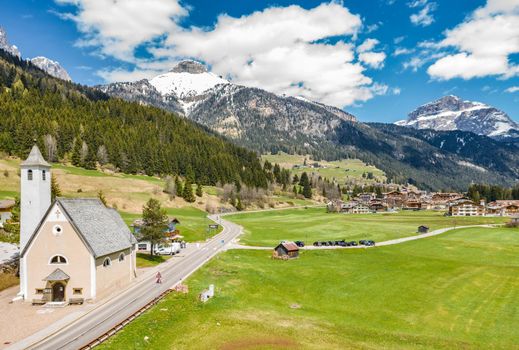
81 125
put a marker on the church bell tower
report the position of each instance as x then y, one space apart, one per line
35 197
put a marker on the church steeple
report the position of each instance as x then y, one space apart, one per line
35 193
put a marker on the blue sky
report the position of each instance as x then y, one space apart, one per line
379 59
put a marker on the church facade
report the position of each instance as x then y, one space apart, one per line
73 248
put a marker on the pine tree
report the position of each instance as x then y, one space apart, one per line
199 192
155 221
187 194
178 186
76 152
55 190
306 189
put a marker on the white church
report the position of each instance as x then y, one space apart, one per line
72 249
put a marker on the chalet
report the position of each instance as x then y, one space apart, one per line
412 204
70 249
466 207
356 208
365 197
287 250
423 229
394 199
377 205
6 206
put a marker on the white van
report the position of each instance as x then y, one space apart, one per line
168 249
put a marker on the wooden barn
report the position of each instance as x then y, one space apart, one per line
287 250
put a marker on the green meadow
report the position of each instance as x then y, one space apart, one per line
458 290
314 224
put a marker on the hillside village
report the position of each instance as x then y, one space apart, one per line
452 203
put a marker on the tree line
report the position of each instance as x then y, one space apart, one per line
77 124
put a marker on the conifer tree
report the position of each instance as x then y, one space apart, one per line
155 221
199 192
187 194
306 187
178 186
76 152
55 190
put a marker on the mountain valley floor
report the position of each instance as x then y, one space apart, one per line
456 290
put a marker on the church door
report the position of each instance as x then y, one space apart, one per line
58 292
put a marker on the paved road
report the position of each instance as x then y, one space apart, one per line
235 245
102 318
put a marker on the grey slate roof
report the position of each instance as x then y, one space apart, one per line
57 275
35 158
102 228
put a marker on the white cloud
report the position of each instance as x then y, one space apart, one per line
118 27
396 91
484 42
280 49
402 51
398 39
512 89
368 45
417 3
424 17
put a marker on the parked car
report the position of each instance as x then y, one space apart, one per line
370 243
353 244
363 242
168 249
342 244
317 244
299 243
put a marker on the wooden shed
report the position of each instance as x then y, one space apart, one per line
423 229
287 250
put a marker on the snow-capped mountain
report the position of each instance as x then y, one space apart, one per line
51 67
245 114
452 113
4 44
47 65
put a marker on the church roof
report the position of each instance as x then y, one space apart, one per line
57 275
35 158
102 229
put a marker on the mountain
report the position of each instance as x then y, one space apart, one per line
252 117
267 122
453 113
47 65
85 126
4 44
51 67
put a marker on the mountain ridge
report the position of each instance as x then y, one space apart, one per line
453 113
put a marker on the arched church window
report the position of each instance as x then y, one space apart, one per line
58 259
29 175
121 257
43 175
107 262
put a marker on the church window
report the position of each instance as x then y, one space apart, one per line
107 262
121 257
39 291
77 290
43 175
29 175
58 259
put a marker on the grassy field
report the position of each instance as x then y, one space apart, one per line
454 291
346 170
313 224
146 260
193 222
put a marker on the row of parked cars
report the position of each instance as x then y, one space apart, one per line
343 243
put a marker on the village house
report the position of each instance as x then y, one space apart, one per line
365 197
6 206
466 207
72 250
286 250
503 208
441 201
394 199
171 234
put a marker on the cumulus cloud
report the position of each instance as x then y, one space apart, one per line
118 27
424 17
512 89
484 43
285 50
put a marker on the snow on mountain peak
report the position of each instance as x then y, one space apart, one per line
453 113
186 80
4 44
51 67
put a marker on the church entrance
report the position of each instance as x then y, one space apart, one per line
58 292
